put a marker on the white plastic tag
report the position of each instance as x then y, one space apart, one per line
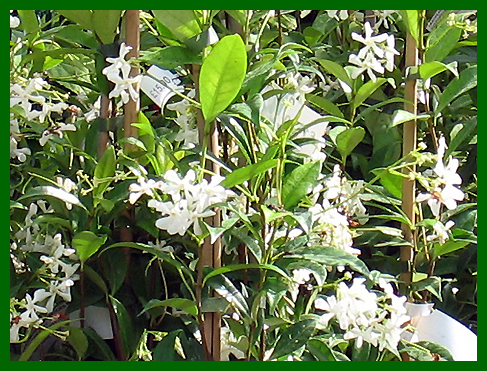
160 84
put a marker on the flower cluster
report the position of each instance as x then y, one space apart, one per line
186 120
442 183
118 72
378 52
364 315
341 201
58 272
189 201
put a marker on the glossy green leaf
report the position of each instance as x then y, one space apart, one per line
38 339
239 176
299 183
165 349
100 348
227 290
411 20
441 42
104 171
431 284
329 256
430 69
105 23
365 91
78 341
28 20
448 247
237 267
170 57
325 105
466 81
86 244
401 116
293 338
222 74
127 334
336 70
184 24
464 133
249 242
183 304
348 139
436 348
319 349
81 17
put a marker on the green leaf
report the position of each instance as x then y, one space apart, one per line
329 256
50 191
431 284
105 23
325 105
293 338
237 267
186 305
86 244
222 74
411 20
28 20
441 42
436 348
104 171
448 247
78 340
401 116
170 57
299 183
227 290
100 347
464 133
466 81
430 69
239 176
250 242
336 70
348 139
81 17
96 278
127 333
365 91
37 340
271 215
184 24
320 349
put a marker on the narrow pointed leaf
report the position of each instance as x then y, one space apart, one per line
466 81
294 337
299 183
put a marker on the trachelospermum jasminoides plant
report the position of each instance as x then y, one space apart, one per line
307 108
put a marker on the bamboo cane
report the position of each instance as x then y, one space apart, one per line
409 145
210 254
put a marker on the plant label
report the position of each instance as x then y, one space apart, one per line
160 85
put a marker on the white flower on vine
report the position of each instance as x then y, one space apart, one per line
369 64
117 63
383 18
448 196
56 130
370 42
337 14
390 52
19 153
32 309
142 187
441 231
24 96
14 21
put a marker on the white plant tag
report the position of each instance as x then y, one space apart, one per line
160 84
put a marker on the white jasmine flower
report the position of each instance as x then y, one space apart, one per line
390 52
24 96
337 14
334 184
59 288
143 187
370 42
58 130
119 62
382 18
369 64
441 231
14 21
31 308
19 153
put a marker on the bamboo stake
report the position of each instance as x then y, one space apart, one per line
210 254
104 114
131 111
409 145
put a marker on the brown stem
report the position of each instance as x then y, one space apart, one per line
409 145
